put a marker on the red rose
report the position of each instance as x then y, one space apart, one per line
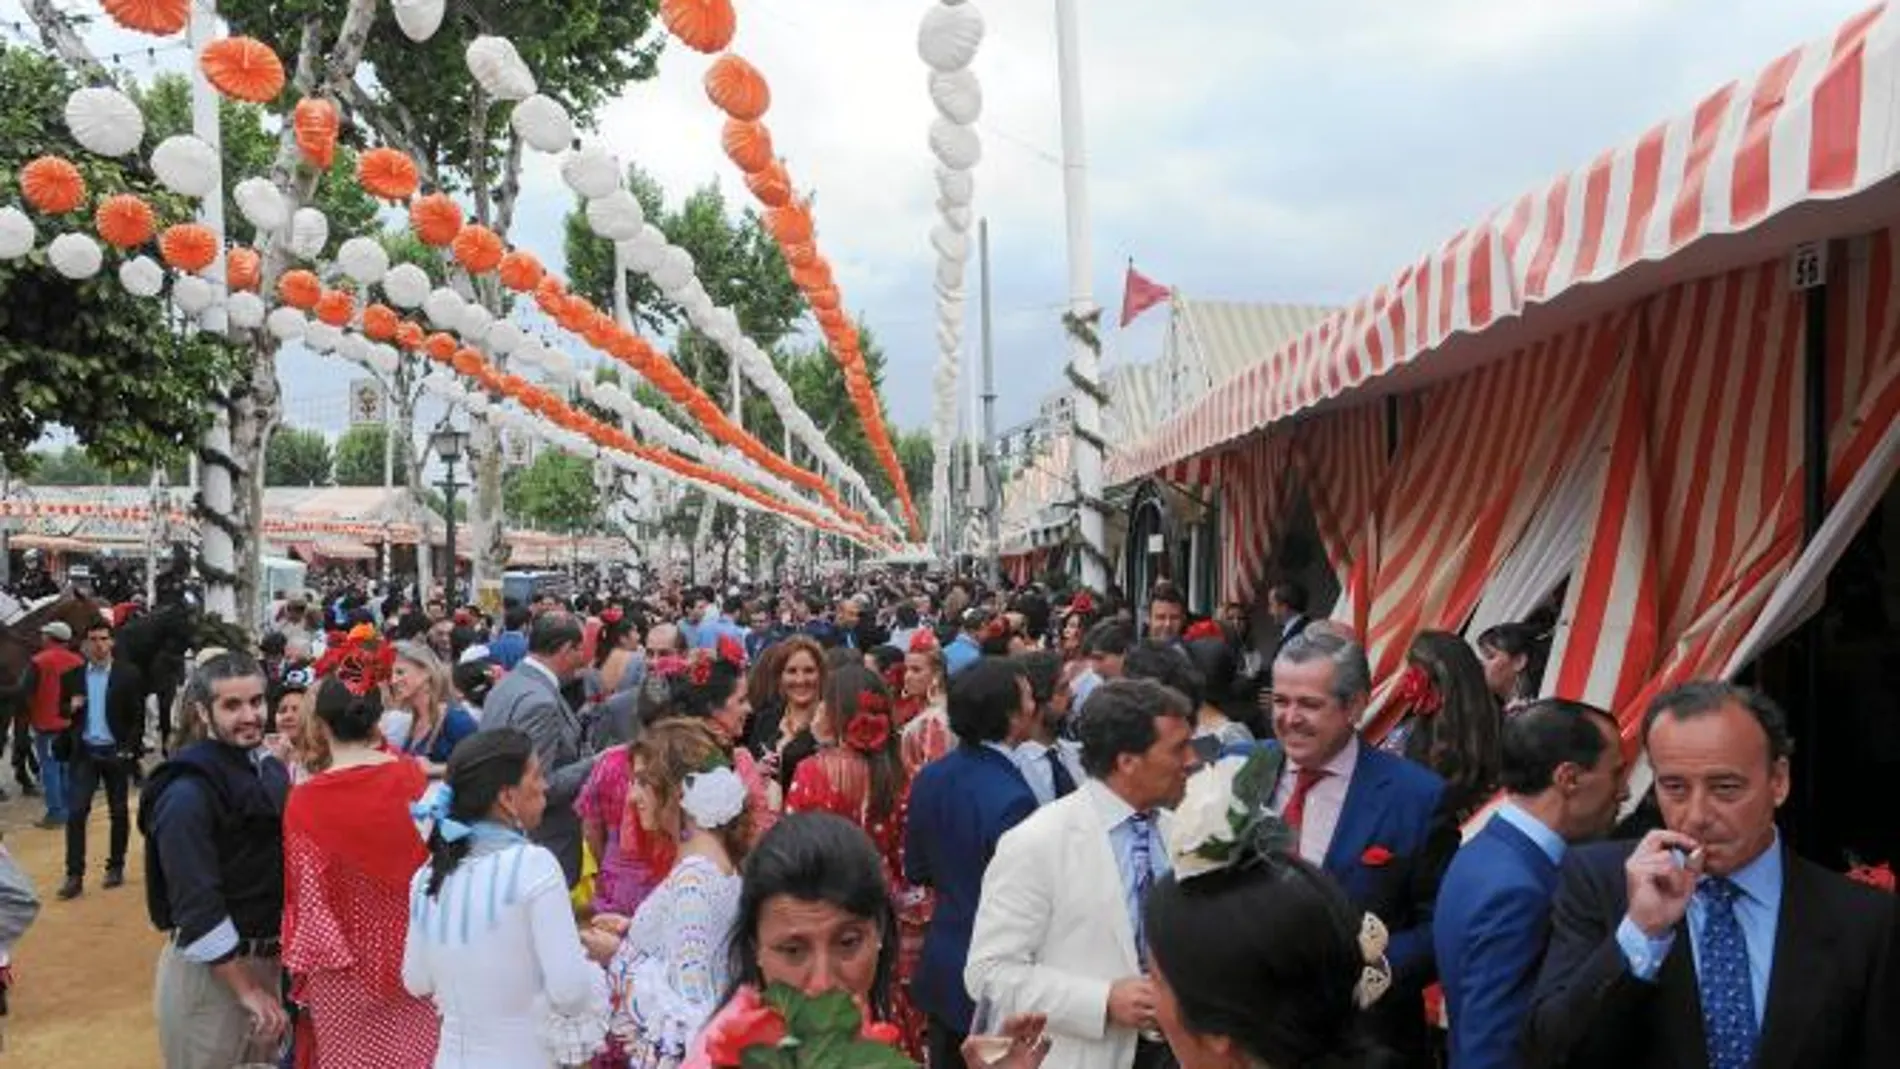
1417 693
1376 857
731 651
701 671
747 1022
883 1032
867 732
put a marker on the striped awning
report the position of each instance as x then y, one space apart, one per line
1708 191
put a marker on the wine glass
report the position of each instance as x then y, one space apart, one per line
986 1032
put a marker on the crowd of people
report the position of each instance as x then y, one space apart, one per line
654 828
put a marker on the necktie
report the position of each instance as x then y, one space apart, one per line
1143 863
1303 783
1059 773
1728 1000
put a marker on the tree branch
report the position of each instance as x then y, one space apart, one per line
351 38
393 124
58 34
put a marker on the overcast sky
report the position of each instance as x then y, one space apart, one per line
1239 149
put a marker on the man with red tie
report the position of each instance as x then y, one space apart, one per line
1372 820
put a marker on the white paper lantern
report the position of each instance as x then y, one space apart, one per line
17 234
958 188
142 277
363 259
246 310
499 69
543 123
616 216
950 36
957 217
418 19
321 337
956 147
286 324
384 358
949 275
473 322
558 365
192 294
105 121
262 204
958 95
406 286
504 338
675 270
353 347
76 256
477 404
186 165
590 172
529 353
443 307
642 255
950 244
309 233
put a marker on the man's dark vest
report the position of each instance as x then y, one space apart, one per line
249 804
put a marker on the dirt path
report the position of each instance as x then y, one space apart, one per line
83 992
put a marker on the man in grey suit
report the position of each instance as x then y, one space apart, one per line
529 699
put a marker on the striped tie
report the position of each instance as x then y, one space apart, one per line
1143 864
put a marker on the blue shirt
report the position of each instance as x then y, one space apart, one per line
961 653
1551 843
1757 910
706 636
1121 838
98 732
1032 760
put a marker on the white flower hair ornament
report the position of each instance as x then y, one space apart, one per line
714 798
1375 979
1223 819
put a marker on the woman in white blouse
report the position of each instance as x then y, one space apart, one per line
669 967
491 933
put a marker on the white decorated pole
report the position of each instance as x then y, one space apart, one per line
1084 365
216 547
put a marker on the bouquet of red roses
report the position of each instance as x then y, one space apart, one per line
786 1029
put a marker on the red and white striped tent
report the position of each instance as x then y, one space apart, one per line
1602 381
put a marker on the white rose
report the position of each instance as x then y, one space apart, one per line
713 799
1204 817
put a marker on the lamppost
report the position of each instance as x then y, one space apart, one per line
449 443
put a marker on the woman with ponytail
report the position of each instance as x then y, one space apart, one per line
491 933
349 853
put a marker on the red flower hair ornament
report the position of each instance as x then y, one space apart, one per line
1082 603
1418 693
361 659
1203 629
923 640
870 729
612 615
731 651
699 670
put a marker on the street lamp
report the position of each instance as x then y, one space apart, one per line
449 444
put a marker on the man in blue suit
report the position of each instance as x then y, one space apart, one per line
1563 778
1376 822
960 806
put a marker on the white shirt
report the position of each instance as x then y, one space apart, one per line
1287 628
546 672
1323 803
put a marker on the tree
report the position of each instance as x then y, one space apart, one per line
64 467
87 355
359 456
298 456
555 493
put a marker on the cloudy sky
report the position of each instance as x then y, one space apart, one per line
1238 149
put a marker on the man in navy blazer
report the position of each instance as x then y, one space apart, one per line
1376 822
1563 778
960 806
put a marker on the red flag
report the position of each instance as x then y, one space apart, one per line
1139 294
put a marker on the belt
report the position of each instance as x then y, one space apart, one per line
268 947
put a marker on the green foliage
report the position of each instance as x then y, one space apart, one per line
556 493
250 150
87 355
73 466
359 456
298 456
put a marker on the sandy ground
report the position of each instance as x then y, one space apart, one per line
82 997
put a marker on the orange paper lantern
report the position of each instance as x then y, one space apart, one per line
379 322
825 300
737 88
520 271
748 145
791 225
53 185
243 269
243 68
160 17
440 346
188 247
478 249
701 25
466 361
436 219
336 307
386 173
772 186
408 335
124 221
315 122
300 289
800 255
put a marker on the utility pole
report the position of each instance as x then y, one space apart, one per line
1084 371
992 484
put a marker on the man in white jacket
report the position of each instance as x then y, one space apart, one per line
1078 868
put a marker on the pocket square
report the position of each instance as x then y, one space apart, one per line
1376 857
